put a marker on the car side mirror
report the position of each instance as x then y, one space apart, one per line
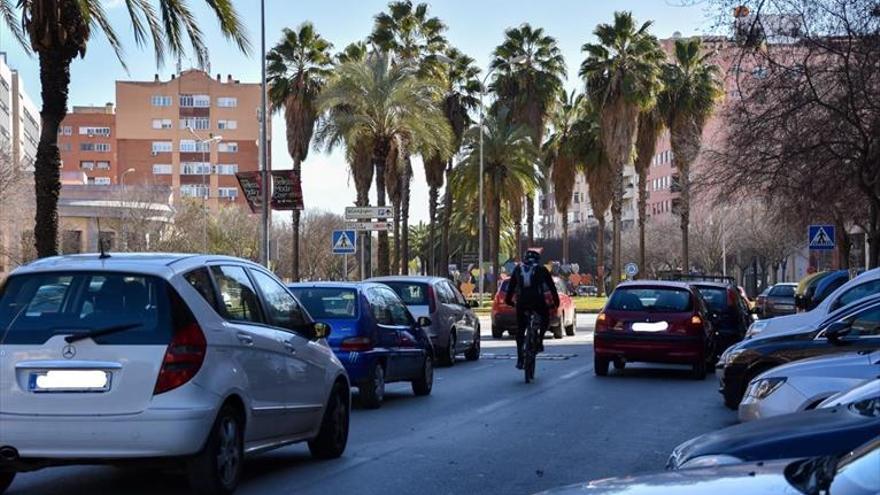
321 330
836 331
424 321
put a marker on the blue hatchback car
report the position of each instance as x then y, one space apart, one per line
373 334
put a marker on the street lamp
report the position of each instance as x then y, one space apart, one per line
205 187
515 60
124 209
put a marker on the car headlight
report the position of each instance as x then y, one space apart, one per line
756 328
705 461
730 356
760 389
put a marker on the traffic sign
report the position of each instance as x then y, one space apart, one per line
631 269
344 242
821 237
367 212
367 226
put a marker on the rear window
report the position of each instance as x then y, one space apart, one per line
35 307
411 294
783 291
651 299
715 297
327 303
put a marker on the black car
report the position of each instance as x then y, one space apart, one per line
851 328
821 432
729 312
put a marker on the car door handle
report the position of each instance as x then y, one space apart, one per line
290 347
245 339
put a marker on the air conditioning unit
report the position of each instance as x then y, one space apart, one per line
154 153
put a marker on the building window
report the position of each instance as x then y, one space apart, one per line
162 147
199 101
87 165
64 129
196 123
194 191
162 124
102 147
195 168
228 147
160 101
193 146
102 181
71 242
162 169
64 146
227 101
226 169
227 192
94 131
227 124
102 165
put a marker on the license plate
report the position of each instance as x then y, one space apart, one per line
60 381
658 326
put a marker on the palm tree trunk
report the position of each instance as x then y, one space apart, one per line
294 272
395 255
643 212
447 215
495 242
517 234
380 155
404 213
55 81
363 199
565 236
600 255
616 225
685 209
530 218
433 197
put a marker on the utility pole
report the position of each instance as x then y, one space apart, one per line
264 154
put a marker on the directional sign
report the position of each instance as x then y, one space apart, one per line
821 237
367 226
367 212
631 269
344 242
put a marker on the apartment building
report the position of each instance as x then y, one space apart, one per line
87 142
192 133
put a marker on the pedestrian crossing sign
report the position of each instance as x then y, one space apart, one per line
821 237
344 242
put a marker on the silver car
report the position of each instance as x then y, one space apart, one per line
198 360
802 385
454 327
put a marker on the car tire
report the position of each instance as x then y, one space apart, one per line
557 331
333 435
570 329
698 370
425 383
600 365
217 468
372 392
6 478
619 364
473 354
447 358
497 333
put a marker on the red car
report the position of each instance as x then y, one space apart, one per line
504 316
656 322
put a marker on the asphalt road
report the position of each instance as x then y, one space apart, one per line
483 430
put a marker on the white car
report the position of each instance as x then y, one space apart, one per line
863 391
864 285
198 360
802 385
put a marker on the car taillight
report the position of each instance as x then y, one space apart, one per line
603 323
696 322
183 358
355 344
432 305
731 298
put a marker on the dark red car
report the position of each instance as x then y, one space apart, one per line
504 316
656 322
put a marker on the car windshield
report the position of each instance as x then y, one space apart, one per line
412 294
868 407
35 307
782 291
328 303
652 299
858 473
715 297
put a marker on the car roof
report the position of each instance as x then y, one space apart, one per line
716 285
655 283
406 278
160 264
332 285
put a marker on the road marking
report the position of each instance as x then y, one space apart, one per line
493 406
572 374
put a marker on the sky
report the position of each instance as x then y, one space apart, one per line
474 26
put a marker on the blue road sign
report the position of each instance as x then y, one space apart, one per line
344 242
821 237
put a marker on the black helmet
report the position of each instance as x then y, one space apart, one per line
532 256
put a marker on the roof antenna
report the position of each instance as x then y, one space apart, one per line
103 255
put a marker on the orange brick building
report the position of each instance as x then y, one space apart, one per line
87 141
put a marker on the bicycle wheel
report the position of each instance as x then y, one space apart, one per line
530 349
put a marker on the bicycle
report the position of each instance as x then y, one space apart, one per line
530 345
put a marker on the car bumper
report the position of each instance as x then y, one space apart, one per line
165 432
505 320
730 382
783 400
358 364
674 349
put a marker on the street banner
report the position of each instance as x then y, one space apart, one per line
286 190
250 183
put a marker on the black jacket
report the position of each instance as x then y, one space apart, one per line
532 296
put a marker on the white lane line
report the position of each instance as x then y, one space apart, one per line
572 374
493 406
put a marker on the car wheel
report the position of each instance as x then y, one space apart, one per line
619 364
448 356
497 333
569 330
698 370
557 331
217 468
372 392
473 354
6 478
425 383
333 436
600 365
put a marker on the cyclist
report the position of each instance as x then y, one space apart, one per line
530 282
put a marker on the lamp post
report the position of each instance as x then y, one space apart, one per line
206 150
264 155
124 209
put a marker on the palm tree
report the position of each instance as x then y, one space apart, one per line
297 69
508 170
529 72
561 155
691 88
412 37
621 73
60 30
461 87
649 129
386 105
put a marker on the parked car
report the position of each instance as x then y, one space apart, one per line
654 321
852 328
806 288
853 473
864 285
728 311
454 327
862 391
588 291
826 286
778 301
832 431
504 316
195 360
803 385
375 336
